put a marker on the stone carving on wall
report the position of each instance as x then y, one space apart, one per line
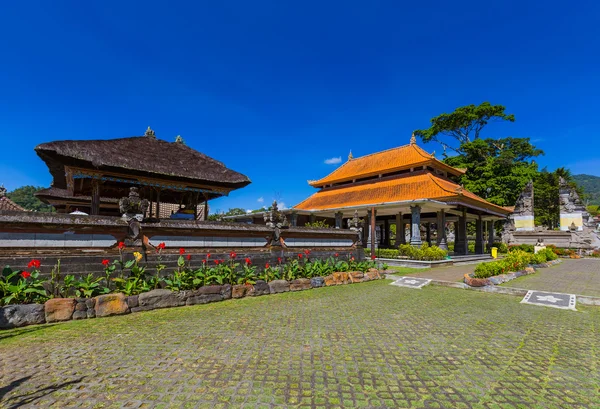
524 204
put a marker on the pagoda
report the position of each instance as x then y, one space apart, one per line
404 185
93 175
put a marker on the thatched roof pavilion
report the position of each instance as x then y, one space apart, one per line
100 172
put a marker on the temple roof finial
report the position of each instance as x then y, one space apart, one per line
179 139
350 156
150 133
2 190
413 139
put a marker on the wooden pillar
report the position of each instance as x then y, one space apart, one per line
372 232
338 220
415 226
158 203
386 233
491 235
461 245
95 206
428 233
479 235
442 242
400 230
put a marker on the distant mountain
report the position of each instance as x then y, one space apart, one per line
591 187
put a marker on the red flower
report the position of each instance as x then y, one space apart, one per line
217 262
222 261
232 254
25 274
204 261
279 260
189 257
307 252
105 262
182 251
248 261
300 255
373 257
121 245
161 246
352 259
34 263
337 255
208 255
267 265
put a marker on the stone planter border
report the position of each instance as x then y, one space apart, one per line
504 278
66 309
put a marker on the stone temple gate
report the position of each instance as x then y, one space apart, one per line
576 229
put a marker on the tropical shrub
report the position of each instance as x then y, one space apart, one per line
425 252
21 286
515 260
529 248
502 247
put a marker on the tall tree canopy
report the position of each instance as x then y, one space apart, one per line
464 124
497 169
546 196
24 197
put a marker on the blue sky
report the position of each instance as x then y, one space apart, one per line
273 89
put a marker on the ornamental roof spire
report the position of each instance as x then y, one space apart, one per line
150 133
350 156
413 139
2 191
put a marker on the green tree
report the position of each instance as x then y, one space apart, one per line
497 169
25 197
546 196
236 211
464 124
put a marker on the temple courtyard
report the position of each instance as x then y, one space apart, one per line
368 345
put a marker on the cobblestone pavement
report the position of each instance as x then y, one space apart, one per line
571 276
452 273
368 345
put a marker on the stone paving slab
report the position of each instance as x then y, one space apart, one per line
411 282
367 345
554 300
571 276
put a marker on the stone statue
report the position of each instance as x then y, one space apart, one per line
149 132
276 221
133 209
354 225
2 191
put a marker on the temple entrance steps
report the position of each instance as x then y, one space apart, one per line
471 258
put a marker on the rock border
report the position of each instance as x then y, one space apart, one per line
67 309
504 278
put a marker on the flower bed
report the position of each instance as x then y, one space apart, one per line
516 264
425 252
126 287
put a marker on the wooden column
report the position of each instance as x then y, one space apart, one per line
386 233
158 204
372 231
442 241
428 233
415 226
491 235
95 207
479 236
400 230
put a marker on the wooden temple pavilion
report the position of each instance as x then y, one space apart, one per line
404 185
92 175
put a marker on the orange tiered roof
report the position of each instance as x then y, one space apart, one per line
418 186
391 160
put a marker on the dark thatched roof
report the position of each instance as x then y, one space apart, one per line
7 204
139 155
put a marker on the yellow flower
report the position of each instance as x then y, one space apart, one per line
137 255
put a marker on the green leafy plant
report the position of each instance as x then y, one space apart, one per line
21 286
248 275
88 286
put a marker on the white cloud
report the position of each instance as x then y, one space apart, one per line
260 199
333 161
248 211
281 206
